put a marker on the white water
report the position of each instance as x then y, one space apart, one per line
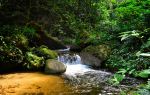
74 64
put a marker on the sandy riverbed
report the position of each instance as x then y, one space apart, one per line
32 84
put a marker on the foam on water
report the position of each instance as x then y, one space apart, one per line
74 69
74 64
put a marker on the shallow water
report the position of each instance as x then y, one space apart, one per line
78 79
34 83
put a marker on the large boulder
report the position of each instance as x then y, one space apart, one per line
54 67
95 55
90 60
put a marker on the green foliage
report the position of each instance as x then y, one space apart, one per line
19 40
131 14
143 89
29 32
9 30
44 52
33 61
117 78
36 57
125 35
144 73
9 53
146 44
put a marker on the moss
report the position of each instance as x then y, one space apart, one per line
50 53
44 52
36 56
100 51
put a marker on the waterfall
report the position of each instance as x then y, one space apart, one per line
74 64
70 59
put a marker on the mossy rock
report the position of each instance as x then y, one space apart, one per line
54 67
95 55
45 52
101 51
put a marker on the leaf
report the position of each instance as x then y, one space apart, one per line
145 73
122 71
118 77
145 54
125 35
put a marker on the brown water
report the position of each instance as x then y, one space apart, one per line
33 84
36 83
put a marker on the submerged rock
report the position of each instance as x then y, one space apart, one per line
95 55
54 67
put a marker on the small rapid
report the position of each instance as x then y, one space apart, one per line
74 64
87 81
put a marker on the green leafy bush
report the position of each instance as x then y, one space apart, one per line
9 30
9 53
29 32
144 73
117 78
33 61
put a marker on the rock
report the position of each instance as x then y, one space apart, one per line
90 60
54 67
75 48
95 55
45 52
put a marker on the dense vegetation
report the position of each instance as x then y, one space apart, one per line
123 25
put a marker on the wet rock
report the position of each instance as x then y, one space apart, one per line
95 55
90 60
54 67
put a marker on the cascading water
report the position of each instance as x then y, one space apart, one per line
85 80
74 64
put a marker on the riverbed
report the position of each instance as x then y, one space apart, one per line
79 79
34 83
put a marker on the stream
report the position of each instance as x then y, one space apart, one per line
85 80
79 79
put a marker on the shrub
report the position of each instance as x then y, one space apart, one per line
33 61
10 53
